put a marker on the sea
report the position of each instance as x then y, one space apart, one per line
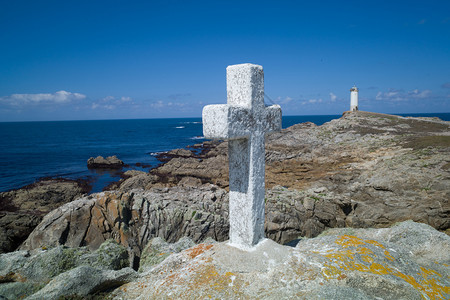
31 151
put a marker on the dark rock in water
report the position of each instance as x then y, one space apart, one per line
21 210
166 156
111 162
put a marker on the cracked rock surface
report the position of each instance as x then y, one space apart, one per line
402 262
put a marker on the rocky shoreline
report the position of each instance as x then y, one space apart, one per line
23 209
364 170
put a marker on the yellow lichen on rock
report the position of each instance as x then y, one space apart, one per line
356 254
202 276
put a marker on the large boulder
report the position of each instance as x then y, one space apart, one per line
134 218
391 263
83 281
63 271
22 210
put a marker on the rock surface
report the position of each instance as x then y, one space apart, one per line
371 180
408 261
134 218
384 168
23 209
111 162
158 250
61 271
197 212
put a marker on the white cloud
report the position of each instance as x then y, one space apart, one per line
287 100
59 97
400 95
115 100
107 99
312 101
111 102
333 97
157 104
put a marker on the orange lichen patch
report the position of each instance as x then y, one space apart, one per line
375 243
367 258
197 250
11 277
356 255
388 255
331 272
364 250
429 287
303 271
342 277
349 241
352 241
427 272
379 269
202 280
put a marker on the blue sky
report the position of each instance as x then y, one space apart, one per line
71 60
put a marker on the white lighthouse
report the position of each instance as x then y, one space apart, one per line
354 98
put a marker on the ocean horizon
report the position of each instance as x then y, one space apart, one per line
33 150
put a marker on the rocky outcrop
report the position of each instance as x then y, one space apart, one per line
158 250
23 209
111 162
408 261
199 212
134 218
369 180
385 168
52 273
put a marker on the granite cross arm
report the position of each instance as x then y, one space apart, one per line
244 121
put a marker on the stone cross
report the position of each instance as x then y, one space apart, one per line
244 120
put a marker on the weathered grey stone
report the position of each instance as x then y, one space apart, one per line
157 250
46 264
244 120
83 281
10 263
23 273
342 264
132 219
110 255
18 290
